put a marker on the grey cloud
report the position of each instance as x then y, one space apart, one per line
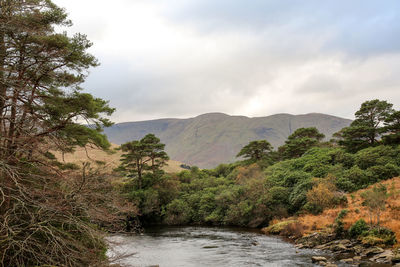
273 42
361 27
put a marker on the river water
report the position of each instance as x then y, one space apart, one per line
206 246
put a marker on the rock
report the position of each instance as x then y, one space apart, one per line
339 247
315 239
356 258
396 258
358 249
373 251
317 259
323 246
346 243
329 264
347 260
384 257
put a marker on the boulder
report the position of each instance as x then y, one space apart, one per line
384 257
350 260
317 259
396 258
358 249
356 258
373 251
338 247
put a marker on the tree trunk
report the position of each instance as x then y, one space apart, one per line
3 87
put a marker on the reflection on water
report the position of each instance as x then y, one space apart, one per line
207 246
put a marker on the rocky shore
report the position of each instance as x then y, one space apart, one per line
347 251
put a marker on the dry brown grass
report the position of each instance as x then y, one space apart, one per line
111 160
390 218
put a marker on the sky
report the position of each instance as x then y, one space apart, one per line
183 58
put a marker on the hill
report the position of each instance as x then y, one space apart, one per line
111 160
213 138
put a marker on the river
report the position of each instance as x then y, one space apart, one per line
207 246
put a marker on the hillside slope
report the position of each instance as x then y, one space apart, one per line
210 139
389 218
111 160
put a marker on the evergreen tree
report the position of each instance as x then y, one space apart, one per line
40 73
299 142
392 129
256 150
143 155
365 130
42 107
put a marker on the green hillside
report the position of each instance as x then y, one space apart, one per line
213 138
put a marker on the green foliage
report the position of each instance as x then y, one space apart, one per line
300 141
339 225
256 150
378 236
392 129
358 228
367 127
143 155
278 228
178 212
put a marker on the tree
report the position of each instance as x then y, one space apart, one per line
143 155
40 74
256 150
365 130
42 107
156 153
300 141
392 129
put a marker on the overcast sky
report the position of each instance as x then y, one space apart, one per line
182 58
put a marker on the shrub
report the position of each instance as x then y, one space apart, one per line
177 212
379 236
294 229
358 228
339 225
277 228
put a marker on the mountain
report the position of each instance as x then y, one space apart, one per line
213 138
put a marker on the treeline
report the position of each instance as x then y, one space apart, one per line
306 174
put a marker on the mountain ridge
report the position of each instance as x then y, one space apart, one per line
213 138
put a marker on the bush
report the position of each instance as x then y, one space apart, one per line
358 228
277 228
379 236
177 212
339 225
313 208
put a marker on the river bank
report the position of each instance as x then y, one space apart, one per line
346 251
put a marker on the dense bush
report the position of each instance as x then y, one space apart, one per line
358 228
379 236
245 194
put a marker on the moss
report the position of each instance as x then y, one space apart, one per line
277 228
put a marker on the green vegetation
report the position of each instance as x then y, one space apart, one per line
299 142
310 177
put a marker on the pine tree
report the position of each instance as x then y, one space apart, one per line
143 155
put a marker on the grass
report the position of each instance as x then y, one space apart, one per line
390 218
110 160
